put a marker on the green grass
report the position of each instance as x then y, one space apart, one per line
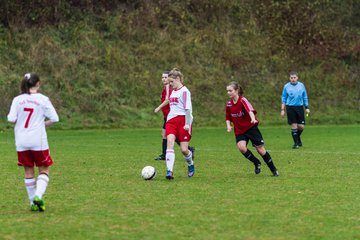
96 192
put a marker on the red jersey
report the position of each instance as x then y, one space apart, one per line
166 95
238 114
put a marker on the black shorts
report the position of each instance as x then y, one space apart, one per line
164 123
295 114
253 134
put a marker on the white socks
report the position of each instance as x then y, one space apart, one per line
170 159
189 159
41 185
30 186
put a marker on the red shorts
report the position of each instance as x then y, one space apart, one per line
29 157
176 126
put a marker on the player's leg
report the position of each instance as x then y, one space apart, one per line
292 117
164 143
185 137
192 149
171 133
25 160
43 160
300 120
188 156
164 146
170 156
30 185
258 142
300 130
241 142
42 182
184 148
267 159
295 135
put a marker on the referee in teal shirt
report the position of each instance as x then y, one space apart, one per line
294 100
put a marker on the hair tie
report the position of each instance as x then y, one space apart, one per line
27 76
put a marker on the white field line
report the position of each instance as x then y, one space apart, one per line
315 152
207 150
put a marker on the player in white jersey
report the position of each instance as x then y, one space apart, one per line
32 112
179 123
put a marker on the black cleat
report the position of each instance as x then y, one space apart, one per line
275 173
295 146
299 144
257 168
160 157
192 149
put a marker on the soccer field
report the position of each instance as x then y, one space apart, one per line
96 192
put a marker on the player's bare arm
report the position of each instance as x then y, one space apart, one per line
163 104
252 117
228 126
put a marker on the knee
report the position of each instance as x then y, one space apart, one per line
243 149
261 150
184 150
170 141
242 145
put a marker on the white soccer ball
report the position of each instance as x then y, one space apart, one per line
148 173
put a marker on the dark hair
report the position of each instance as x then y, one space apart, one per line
30 80
236 86
293 73
166 72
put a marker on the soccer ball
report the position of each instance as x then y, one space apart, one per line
148 172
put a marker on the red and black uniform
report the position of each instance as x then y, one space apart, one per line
166 95
238 114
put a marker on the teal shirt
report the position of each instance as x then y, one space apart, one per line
295 95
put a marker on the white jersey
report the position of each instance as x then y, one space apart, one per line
180 101
29 111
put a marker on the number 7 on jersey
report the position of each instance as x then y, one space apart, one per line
30 110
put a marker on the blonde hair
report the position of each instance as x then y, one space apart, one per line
175 72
